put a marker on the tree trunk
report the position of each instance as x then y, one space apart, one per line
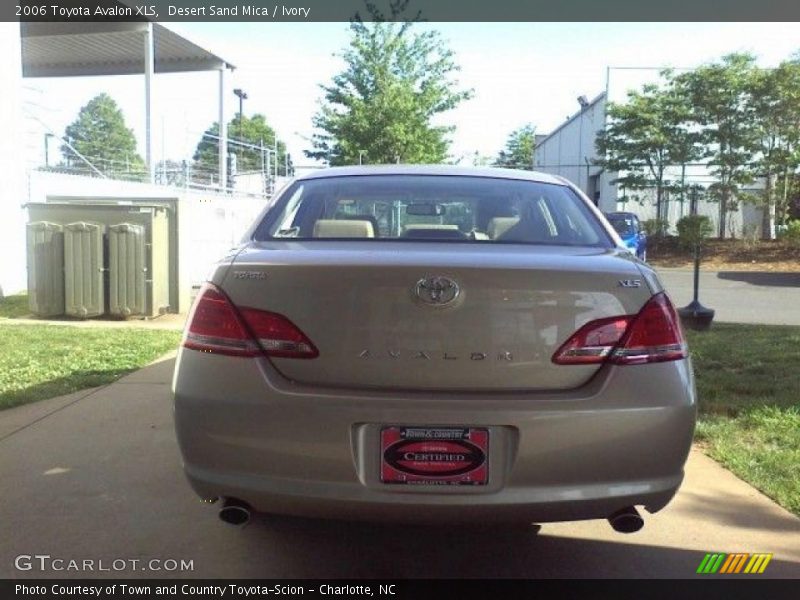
658 207
768 211
723 212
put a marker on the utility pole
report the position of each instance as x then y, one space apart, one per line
47 137
264 187
267 171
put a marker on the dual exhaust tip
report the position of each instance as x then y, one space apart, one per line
238 512
235 511
626 520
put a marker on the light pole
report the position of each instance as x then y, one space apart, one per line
242 95
694 315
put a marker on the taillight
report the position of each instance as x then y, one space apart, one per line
216 326
653 335
277 335
593 342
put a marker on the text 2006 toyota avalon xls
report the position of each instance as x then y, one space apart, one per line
434 343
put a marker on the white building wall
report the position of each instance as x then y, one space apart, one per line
13 271
570 152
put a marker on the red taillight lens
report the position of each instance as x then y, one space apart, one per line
653 335
593 342
216 326
277 335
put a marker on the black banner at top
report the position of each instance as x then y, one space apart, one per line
420 589
429 10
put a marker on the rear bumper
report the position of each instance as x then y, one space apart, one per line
348 502
620 440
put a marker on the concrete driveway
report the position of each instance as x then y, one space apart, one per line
96 475
740 296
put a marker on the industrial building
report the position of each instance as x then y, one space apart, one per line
569 151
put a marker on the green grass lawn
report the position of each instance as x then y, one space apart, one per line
13 307
748 382
42 361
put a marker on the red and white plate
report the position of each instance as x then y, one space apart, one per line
413 455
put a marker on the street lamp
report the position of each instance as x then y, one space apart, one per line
242 95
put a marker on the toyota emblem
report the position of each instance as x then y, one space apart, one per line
438 291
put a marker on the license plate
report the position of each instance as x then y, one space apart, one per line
435 455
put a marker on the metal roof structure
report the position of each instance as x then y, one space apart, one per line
102 48
78 49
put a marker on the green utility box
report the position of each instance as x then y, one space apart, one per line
127 270
116 259
45 243
84 276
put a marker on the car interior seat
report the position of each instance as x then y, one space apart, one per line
343 228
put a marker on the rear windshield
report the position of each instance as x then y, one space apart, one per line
623 225
433 208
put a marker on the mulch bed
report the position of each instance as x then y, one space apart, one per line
727 255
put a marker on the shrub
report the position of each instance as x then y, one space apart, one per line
655 227
791 234
693 230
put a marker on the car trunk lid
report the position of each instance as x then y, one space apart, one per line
367 307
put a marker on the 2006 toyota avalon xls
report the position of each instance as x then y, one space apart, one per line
434 343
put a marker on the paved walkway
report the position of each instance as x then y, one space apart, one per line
740 296
96 475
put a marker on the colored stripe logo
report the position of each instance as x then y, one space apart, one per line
739 562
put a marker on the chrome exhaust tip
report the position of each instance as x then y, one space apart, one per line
626 520
235 512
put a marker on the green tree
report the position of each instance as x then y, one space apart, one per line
250 130
774 96
379 109
644 137
100 135
518 153
719 95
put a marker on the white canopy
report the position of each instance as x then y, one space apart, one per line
79 49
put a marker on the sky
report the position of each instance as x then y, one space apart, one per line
520 73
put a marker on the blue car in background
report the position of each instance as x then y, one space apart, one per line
630 230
